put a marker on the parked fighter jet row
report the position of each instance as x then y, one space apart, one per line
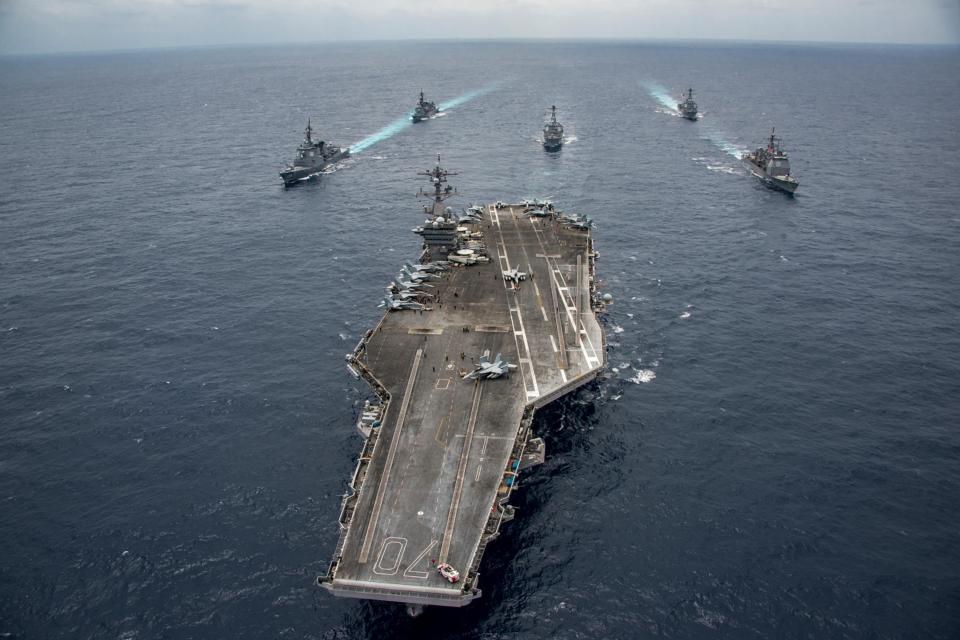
545 209
410 291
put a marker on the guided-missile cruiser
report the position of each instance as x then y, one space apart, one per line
553 132
458 382
424 109
687 107
771 165
312 158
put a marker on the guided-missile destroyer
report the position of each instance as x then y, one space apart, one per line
424 109
312 158
553 132
448 436
771 165
687 107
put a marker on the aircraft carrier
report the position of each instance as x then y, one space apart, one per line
442 451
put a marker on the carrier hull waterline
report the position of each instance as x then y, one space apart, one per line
433 481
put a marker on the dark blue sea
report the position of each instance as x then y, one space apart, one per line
773 452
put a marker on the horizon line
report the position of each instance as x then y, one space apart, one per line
532 40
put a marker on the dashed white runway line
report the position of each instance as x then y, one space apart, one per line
504 262
570 309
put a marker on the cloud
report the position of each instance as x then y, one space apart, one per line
52 25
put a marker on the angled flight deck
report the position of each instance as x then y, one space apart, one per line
435 474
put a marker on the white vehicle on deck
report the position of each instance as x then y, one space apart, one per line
449 573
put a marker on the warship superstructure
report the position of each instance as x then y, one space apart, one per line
553 132
771 165
687 107
448 437
312 158
424 109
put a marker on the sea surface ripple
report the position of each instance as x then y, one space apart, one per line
773 452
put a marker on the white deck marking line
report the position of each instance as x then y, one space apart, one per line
388 542
477 477
583 330
502 248
553 343
557 321
573 323
563 374
421 575
462 468
391 454
544 312
537 289
555 274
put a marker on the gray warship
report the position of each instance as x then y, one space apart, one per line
553 132
688 108
424 109
312 158
448 436
771 165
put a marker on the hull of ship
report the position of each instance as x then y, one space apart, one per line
426 116
689 115
553 144
292 177
773 183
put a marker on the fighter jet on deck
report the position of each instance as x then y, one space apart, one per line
514 275
416 276
534 203
401 305
408 294
409 285
577 222
486 369
430 267
536 213
465 219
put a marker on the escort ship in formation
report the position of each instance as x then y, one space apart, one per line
449 433
553 132
687 107
497 319
771 165
424 109
312 158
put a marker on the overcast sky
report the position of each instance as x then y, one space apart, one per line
40 26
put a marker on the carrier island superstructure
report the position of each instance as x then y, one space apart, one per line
443 448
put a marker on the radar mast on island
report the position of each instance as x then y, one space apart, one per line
441 189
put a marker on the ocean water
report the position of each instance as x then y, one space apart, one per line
773 452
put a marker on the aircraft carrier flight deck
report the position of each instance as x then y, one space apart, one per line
444 447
